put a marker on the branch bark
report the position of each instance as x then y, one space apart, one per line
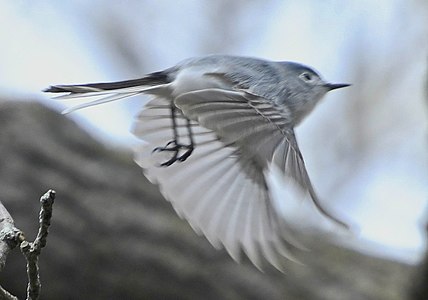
10 237
32 250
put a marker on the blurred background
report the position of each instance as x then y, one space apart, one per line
365 146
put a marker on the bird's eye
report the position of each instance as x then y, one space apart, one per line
306 76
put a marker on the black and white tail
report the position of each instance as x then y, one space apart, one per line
110 91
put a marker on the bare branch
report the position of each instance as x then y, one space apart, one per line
32 250
47 201
9 239
9 235
5 295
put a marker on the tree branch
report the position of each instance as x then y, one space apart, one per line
5 295
32 250
10 237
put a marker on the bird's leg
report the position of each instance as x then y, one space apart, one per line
174 146
189 147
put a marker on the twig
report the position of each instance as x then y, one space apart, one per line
5 295
8 235
9 239
32 250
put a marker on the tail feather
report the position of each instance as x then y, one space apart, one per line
106 99
152 79
136 89
110 91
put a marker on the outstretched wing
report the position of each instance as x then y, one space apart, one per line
221 188
258 128
222 198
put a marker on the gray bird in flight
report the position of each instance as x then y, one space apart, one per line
214 128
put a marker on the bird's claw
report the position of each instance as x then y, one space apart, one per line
175 147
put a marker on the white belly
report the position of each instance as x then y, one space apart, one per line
196 78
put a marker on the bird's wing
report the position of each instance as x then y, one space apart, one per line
289 160
220 193
257 127
221 188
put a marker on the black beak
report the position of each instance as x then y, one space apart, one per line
333 86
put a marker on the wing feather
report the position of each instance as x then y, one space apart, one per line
219 195
259 134
221 188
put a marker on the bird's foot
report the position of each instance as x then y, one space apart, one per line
175 148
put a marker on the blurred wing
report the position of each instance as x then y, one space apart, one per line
221 188
220 193
289 159
257 127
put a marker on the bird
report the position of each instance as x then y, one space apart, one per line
214 128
